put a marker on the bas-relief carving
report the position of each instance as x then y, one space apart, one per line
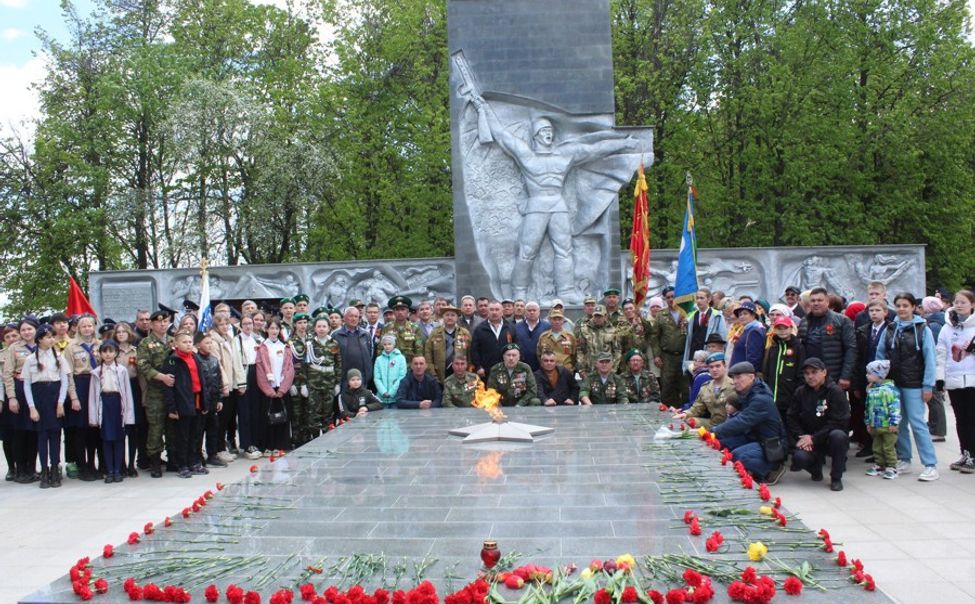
767 272
538 184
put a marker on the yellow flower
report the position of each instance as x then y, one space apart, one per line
766 509
757 551
587 573
702 431
626 559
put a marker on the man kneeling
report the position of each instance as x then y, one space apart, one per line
818 419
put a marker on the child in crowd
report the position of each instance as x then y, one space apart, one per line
111 408
45 377
357 400
80 439
207 426
275 374
184 401
883 417
389 370
136 433
323 364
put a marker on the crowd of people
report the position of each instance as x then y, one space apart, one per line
797 379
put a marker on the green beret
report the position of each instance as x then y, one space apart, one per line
321 310
300 317
633 352
611 292
300 298
286 301
510 346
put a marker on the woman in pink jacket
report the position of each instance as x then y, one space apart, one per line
275 374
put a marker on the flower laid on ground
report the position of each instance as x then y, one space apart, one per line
212 593
133 538
757 551
841 558
763 492
253 469
108 551
792 586
714 542
752 588
625 562
149 528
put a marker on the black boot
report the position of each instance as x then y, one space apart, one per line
56 476
45 479
155 466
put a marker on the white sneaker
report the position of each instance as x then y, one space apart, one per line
226 456
874 471
903 467
253 453
928 474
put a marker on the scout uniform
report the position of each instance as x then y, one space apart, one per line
561 344
458 390
592 340
151 355
667 340
79 438
640 387
20 422
516 386
441 348
323 361
300 418
409 338
604 390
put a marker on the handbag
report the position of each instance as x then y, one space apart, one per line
279 416
774 448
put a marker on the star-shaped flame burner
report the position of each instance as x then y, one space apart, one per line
504 431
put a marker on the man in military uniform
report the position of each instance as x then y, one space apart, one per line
513 379
588 307
667 339
594 338
323 361
641 384
611 300
459 387
298 344
710 408
558 341
287 310
603 386
637 328
446 343
301 304
409 339
150 356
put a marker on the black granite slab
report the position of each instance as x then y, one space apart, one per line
393 484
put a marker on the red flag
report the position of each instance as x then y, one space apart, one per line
640 239
77 301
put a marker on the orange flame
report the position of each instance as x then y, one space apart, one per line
489 466
490 400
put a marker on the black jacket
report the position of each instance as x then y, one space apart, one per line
782 369
485 348
350 402
356 352
210 368
866 353
411 391
566 386
758 419
829 401
180 398
836 340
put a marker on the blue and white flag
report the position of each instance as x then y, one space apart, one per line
686 286
206 316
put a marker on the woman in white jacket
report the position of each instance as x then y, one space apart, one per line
956 373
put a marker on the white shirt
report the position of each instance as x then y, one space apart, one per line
109 379
48 371
275 351
248 345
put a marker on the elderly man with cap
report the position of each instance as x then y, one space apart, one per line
558 340
447 342
556 384
567 323
594 338
508 310
715 343
750 343
818 420
409 338
603 386
588 307
528 331
513 379
791 299
641 385
150 357
711 406
755 434
668 337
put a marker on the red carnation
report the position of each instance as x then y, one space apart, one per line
135 594
168 522
133 538
149 528
841 558
763 492
676 596
692 422
749 575
778 503
252 597
688 517
868 583
823 533
101 586
711 545
129 584
793 586
602 597
308 592
186 512
219 486
629 595
83 562
235 595
282 596
663 407
695 528
857 565
85 593
655 596
212 594
108 551
693 578
254 469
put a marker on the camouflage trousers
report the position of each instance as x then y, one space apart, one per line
157 426
673 381
320 411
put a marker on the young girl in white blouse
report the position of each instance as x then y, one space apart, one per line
45 376
110 407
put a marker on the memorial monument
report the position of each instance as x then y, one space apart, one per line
537 160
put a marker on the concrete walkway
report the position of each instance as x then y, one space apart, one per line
905 531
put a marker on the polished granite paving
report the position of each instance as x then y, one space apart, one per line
390 498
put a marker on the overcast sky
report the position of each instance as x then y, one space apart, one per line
19 67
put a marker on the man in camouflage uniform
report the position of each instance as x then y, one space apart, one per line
514 380
588 306
287 310
710 408
611 300
603 386
634 329
459 387
667 339
150 356
409 338
641 384
594 338
446 343
300 409
558 341
323 361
